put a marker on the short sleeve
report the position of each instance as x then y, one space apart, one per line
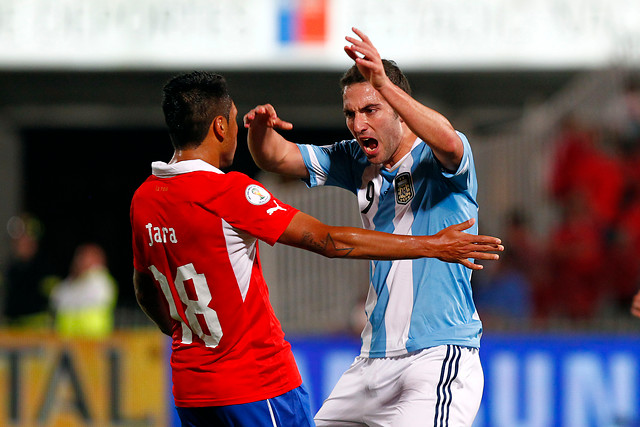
335 165
247 205
462 178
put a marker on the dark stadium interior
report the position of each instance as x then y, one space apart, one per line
88 138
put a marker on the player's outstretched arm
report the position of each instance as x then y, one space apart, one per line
450 245
152 302
270 150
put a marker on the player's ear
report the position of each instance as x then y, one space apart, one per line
219 127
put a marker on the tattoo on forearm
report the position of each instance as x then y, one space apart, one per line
327 245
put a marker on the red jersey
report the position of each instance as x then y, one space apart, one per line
195 229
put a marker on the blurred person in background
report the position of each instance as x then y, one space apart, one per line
84 302
527 249
581 164
29 276
595 183
197 271
413 174
503 293
576 255
505 290
624 236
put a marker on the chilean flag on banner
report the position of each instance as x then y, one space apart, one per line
302 21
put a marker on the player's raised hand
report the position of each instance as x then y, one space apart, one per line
458 246
265 115
367 58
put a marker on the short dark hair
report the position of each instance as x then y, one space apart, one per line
190 102
391 69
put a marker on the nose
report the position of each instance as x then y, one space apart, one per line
359 123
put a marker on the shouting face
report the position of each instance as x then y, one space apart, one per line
373 123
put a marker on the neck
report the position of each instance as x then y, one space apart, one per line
405 146
199 153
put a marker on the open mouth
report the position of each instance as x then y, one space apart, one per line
370 145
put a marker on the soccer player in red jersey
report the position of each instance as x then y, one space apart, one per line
197 271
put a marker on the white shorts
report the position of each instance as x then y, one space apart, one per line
439 386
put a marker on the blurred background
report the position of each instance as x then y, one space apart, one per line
547 91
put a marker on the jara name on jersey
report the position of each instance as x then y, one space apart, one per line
161 234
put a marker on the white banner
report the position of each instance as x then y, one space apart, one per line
242 34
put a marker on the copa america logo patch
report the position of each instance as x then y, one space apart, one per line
257 195
404 188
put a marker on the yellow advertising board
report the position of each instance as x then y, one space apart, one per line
46 381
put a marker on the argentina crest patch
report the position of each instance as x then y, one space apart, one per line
404 188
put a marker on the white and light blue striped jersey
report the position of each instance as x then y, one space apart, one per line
412 304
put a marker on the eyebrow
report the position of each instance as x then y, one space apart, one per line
372 104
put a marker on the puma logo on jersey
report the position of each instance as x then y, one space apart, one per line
161 234
276 208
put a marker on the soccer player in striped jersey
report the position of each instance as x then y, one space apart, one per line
197 271
413 174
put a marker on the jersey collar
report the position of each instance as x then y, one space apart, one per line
165 170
